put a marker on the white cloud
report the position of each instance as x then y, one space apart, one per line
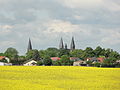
6 43
81 3
57 26
5 29
111 37
78 17
111 5
45 21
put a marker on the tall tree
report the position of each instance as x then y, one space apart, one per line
63 52
98 51
11 52
88 52
33 54
76 53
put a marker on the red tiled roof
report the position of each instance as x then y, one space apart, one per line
55 58
101 59
2 57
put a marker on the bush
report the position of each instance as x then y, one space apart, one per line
97 64
65 60
47 61
39 63
56 63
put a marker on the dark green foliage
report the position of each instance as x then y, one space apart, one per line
52 52
76 53
97 64
63 52
21 60
33 54
47 61
39 63
11 52
117 65
89 63
88 52
98 51
4 60
2 54
65 60
110 62
56 63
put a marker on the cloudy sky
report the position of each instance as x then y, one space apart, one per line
92 23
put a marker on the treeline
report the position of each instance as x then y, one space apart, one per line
43 56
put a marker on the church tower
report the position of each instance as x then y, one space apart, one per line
61 45
72 46
29 46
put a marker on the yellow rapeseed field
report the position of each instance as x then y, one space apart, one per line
59 78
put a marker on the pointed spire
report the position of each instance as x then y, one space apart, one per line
29 45
61 46
72 46
66 46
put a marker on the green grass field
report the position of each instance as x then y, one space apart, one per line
59 78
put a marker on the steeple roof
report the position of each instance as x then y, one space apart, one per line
61 45
72 46
29 45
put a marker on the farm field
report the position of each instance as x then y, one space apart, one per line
59 78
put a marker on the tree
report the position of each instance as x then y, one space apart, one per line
63 52
65 60
88 52
39 63
47 61
42 53
21 60
2 54
11 52
98 51
52 52
33 54
107 52
114 54
76 53
110 62
56 63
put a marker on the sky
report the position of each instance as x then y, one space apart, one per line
92 23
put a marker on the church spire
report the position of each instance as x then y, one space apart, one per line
29 46
61 46
66 46
72 46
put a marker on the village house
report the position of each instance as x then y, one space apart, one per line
118 62
79 63
30 63
5 61
94 59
